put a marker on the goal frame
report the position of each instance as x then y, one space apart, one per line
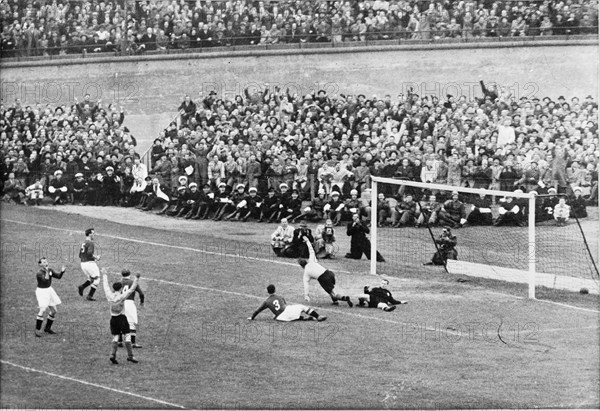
442 187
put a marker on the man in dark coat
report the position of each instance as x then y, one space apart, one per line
359 243
446 244
298 247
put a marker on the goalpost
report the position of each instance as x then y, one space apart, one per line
486 251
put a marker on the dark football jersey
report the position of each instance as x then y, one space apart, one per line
86 253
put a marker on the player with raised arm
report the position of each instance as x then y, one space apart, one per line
46 296
315 271
285 312
118 321
89 266
130 308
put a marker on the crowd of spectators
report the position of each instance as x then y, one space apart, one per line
67 152
48 27
266 154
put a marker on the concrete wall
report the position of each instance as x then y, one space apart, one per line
151 88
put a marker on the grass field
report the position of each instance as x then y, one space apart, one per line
473 344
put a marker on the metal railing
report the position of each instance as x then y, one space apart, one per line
237 43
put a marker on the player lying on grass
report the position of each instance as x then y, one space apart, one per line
118 321
285 312
315 271
379 297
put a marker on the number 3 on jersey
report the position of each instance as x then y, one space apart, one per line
276 304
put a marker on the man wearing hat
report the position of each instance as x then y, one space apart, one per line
238 203
142 197
221 201
186 199
453 212
298 248
333 209
111 187
204 204
252 206
547 206
269 206
578 204
530 178
292 208
359 243
446 244
509 212
79 188
58 188
157 195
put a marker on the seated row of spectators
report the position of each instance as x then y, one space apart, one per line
59 27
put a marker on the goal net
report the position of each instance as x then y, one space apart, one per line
497 235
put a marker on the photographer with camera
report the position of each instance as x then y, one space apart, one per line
446 248
298 248
359 243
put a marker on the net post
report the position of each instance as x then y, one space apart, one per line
532 251
374 213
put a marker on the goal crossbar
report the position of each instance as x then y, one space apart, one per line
431 186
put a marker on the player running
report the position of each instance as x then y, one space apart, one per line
379 297
46 296
89 266
118 321
315 271
285 312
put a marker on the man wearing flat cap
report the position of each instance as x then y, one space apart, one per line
58 188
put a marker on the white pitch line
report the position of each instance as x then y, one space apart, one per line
262 259
338 311
63 377
262 298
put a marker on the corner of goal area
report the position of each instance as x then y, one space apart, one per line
552 281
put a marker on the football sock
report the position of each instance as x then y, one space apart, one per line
92 291
38 322
84 285
114 346
133 336
49 322
129 349
313 313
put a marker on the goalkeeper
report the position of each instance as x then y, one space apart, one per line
446 244
379 297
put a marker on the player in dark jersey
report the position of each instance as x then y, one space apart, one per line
379 297
89 266
46 296
130 308
285 312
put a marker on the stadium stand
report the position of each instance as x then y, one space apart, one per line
315 144
47 28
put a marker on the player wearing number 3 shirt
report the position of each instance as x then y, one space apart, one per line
88 265
285 312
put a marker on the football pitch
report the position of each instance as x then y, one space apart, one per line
456 344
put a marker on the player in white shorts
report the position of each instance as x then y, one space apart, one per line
46 296
285 312
89 266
